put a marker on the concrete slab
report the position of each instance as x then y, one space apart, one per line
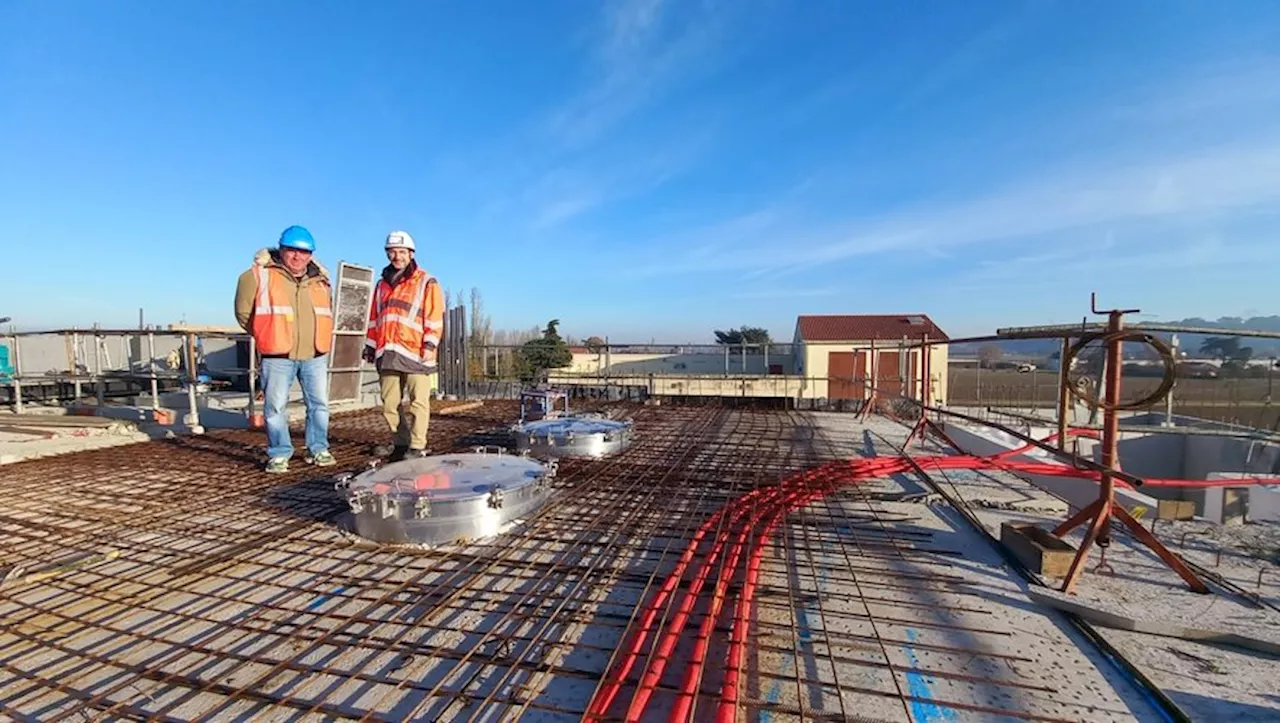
237 592
1143 586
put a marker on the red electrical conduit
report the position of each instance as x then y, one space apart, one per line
606 693
770 506
662 653
693 672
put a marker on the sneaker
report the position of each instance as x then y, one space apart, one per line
417 454
277 465
323 458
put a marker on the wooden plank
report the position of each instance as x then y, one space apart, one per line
1040 551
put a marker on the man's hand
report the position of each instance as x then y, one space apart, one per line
368 354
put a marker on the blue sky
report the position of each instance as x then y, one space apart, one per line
648 169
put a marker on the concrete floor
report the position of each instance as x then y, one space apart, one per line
1210 682
237 595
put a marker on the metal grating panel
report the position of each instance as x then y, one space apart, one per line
453 354
353 294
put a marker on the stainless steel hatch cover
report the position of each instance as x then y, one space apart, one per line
446 498
576 435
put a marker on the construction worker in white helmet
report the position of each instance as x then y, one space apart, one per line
406 319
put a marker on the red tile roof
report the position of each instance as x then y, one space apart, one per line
865 327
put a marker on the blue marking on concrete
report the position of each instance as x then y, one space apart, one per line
805 635
918 687
321 600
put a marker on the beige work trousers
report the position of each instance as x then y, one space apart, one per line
395 386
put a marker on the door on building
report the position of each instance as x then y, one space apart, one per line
888 376
846 375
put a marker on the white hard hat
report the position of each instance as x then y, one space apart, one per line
400 240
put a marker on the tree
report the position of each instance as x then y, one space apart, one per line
743 335
479 336
989 354
546 352
481 324
594 344
1221 348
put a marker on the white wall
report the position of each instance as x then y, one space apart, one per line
42 354
694 363
1207 454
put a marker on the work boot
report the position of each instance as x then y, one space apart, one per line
393 452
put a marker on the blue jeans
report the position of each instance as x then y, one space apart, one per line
277 380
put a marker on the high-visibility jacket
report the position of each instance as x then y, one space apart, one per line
275 309
407 319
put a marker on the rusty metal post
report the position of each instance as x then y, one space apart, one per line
872 379
1102 509
926 372
1064 396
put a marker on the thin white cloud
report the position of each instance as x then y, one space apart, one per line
973 54
565 192
1229 87
1225 179
800 292
1201 256
642 54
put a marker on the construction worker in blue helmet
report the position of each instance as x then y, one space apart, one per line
284 301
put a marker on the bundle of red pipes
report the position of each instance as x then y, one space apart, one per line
758 513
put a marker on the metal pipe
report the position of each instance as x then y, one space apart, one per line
98 382
871 373
17 376
1053 330
193 415
1064 396
253 378
926 373
75 365
1111 424
155 381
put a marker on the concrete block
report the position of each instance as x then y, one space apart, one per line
1037 548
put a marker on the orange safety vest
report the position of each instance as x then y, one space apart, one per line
405 318
273 312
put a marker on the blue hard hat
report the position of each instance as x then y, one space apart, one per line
297 237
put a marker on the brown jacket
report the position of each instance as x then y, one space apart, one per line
304 343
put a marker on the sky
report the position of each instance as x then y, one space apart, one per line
649 169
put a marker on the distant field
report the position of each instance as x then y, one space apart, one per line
1243 401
